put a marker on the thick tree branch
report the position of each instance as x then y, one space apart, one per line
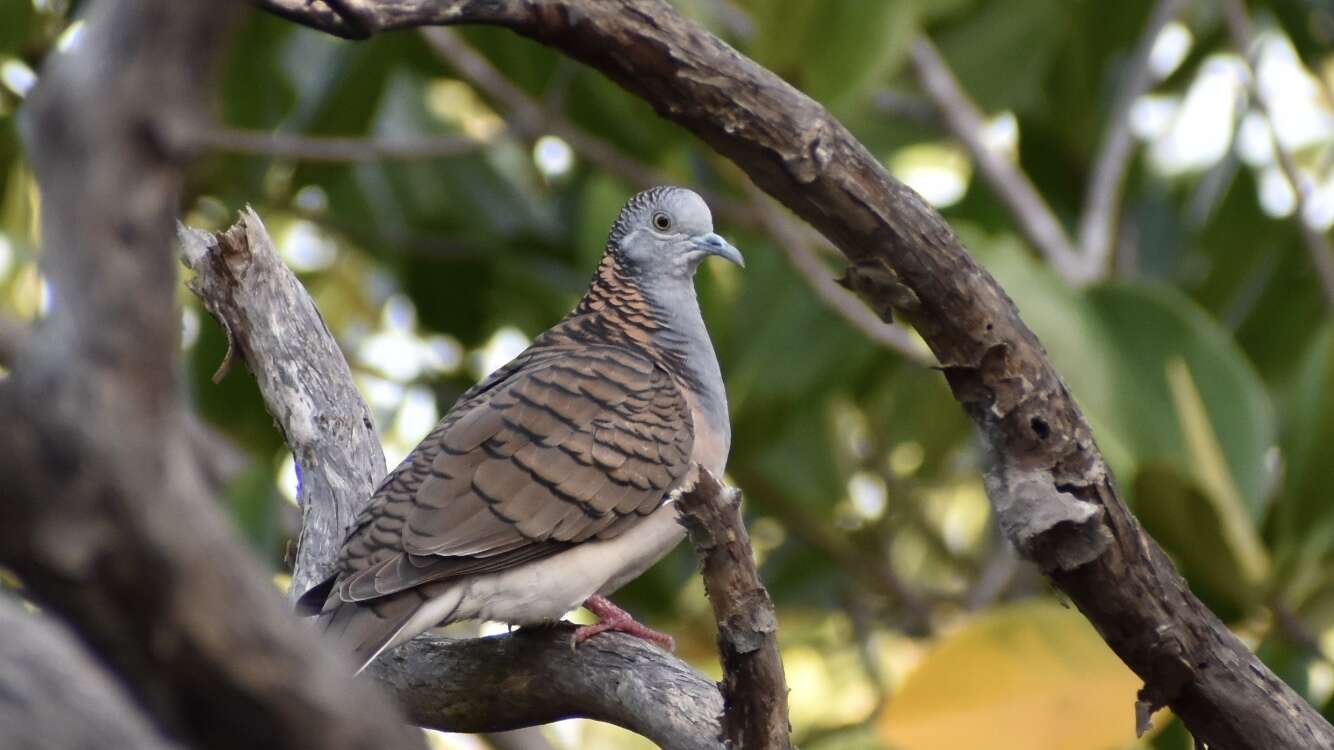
54 694
1035 219
1102 195
487 684
1317 247
105 518
754 687
906 257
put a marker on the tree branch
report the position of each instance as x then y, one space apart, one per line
330 148
905 256
754 687
1035 219
1317 248
54 694
487 684
306 383
1102 195
844 303
106 519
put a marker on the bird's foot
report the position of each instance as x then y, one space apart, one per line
612 617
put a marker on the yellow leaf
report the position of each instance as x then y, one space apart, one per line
1031 676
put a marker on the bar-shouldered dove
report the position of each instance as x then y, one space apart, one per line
546 486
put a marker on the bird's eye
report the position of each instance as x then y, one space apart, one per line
661 221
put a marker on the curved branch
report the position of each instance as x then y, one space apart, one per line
906 257
486 684
533 676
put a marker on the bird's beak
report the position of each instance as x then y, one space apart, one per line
713 244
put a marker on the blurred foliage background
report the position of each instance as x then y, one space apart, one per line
445 197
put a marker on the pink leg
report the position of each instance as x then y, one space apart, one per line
612 617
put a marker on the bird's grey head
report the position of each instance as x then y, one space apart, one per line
666 232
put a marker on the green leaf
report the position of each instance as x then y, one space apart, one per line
1185 520
1303 526
834 51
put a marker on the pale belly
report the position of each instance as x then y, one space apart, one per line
545 590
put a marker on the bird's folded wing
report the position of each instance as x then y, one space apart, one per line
571 447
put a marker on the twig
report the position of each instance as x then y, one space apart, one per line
906 107
1035 219
1102 195
754 688
330 148
530 118
487 684
1317 248
838 299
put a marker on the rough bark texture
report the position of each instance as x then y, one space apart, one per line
907 259
488 684
533 677
306 383
105 516
754 687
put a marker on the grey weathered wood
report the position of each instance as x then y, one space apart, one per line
488 684
274 325
906 258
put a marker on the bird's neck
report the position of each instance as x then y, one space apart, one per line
660 316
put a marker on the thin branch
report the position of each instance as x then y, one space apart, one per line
842 302
106 518
331 148
1317 247
1054 493
908 107
528 117
1102 195
754 687
1035 219
487 684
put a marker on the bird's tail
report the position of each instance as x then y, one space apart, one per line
365 629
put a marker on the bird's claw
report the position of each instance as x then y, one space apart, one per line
612 617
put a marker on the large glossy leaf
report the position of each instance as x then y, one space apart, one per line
1033 676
